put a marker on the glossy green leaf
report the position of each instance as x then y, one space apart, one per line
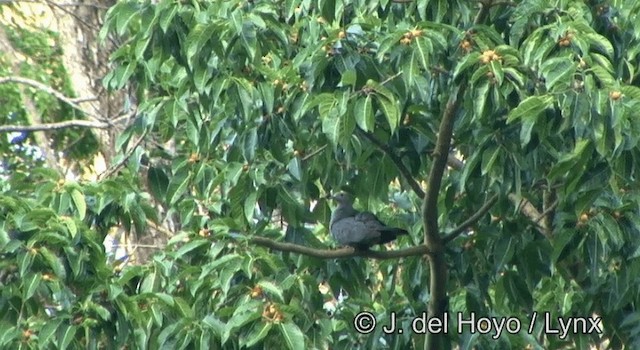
558 70
391 110
363 111
531 106
292 335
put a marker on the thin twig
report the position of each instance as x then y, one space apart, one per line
546 212
391 78
54 126
312 154
40 86
103 7
471 220
406 174
119 165
338 253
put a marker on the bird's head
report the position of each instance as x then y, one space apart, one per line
343 198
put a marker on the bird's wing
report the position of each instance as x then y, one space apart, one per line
354 231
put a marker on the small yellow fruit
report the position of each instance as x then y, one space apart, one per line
415 33
193 158
256 292
488 56
615 95
405 41
584 217
465 45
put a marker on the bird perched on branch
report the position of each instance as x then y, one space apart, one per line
360 230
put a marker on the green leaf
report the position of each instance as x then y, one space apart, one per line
424 49
363 111
391 111
52 262
65 336
531 106
480 73
250 206
339 127
489 157
197 39
631 92
260 331
79 202
240 318
250 144
25 259
47 331
292 335
272 289
348 78
190 246
30 284
603 76
71 226
600 42
375 86
295 168
183 307
481 96
177 189
158 182
214 324
410 69
514 76
149 282
125 13
466 62
569 161
326 105
558 69
498 73
528 122
201 75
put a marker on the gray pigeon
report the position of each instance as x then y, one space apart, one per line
357 229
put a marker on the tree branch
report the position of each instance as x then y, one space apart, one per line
54 126
437 263
441 156
112 170
40 86
530 211
338 253
406 174
471 220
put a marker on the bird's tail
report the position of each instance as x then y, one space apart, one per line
391 234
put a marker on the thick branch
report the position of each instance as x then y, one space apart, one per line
338 253
406 174
54 126
40 86
471 220
441 155
531 212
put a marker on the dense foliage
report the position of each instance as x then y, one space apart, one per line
253 111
